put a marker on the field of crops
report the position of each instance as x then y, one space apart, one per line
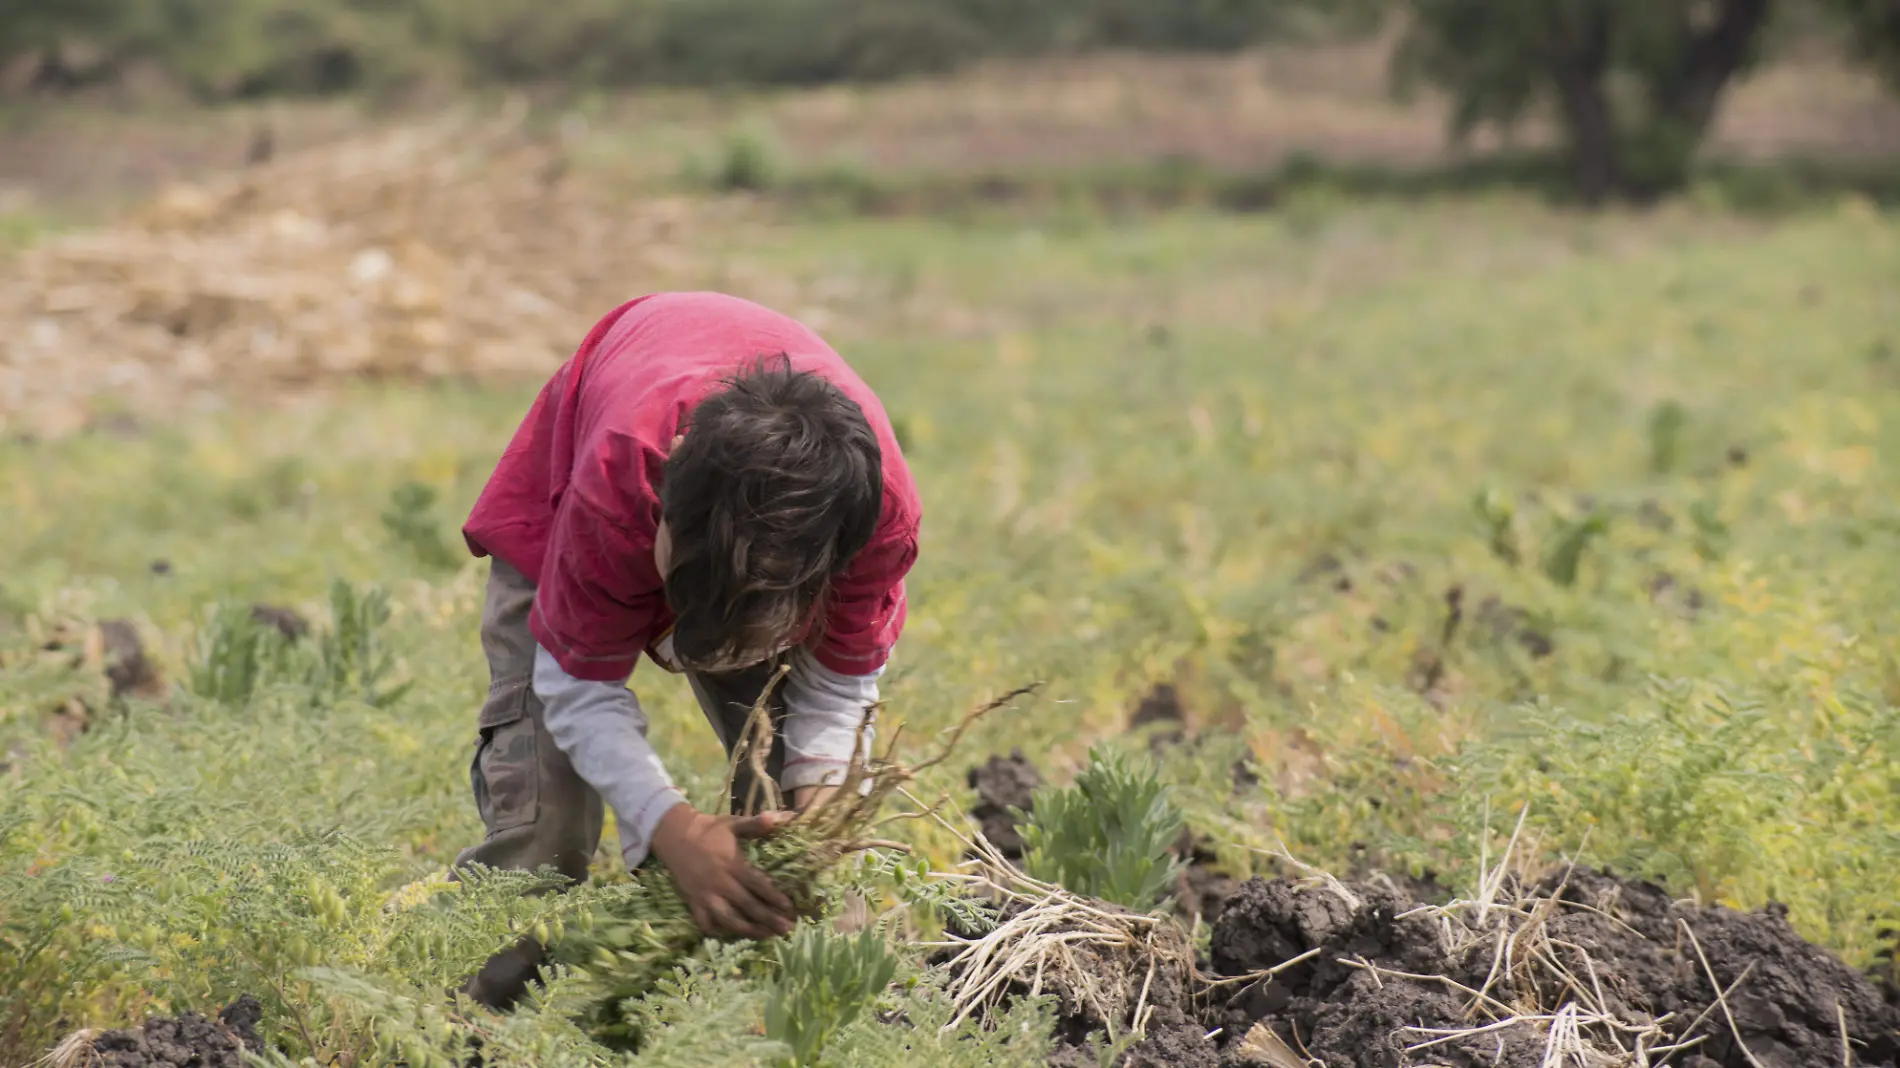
1389 524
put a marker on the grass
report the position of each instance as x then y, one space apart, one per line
1254 456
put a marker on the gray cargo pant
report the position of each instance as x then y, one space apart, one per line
536 808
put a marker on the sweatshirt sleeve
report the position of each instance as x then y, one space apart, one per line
602 729
824 710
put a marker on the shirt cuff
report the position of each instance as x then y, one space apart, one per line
636 831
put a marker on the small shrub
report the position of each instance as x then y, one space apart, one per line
1108 836
746 161
241 654
1567 555
411 524
237 656
1499 515
1666 424
825 980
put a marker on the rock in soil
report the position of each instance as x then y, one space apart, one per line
185 1041
1161 707
128 669
288 621
1202 889
1003 784
1790 999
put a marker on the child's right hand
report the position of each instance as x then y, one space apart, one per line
726 894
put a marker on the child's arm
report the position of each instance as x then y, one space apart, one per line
603 731
824 722
833 684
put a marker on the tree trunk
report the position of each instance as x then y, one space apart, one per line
1683 95
1579 61
1711 59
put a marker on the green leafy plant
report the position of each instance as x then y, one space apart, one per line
1109 835
825 980
1666 424
239 655
411 524
1711 533
236 656
351 658
1499 516
1560 566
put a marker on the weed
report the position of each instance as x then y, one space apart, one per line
411 524
1665 437
1561 563
747 161
237 654
240 654
824 981
1499 515
1107 836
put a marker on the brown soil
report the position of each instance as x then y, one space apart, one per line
1003 785
185 1041
288 621
129 670
1790 1001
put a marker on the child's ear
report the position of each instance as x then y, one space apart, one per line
677 438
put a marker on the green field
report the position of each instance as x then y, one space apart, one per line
1249 455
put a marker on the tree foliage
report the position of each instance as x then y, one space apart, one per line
224 48
1876 33
1634 84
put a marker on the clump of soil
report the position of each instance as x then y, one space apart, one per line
1203 888
184 1041
1161 706
288 621
1004 786
1378 975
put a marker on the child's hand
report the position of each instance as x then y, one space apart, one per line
726 894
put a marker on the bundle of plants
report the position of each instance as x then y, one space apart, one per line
637 932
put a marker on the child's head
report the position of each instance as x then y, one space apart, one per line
775 486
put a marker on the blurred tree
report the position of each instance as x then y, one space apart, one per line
38 39
1876 33
224 48
1635 83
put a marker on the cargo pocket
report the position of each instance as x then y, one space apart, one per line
507 767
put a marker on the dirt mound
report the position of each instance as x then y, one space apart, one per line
185 1041
1003 786
451 248
1583 964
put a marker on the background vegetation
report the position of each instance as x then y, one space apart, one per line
1429 511
1634 85
1430 499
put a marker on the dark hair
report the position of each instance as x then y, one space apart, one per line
778 484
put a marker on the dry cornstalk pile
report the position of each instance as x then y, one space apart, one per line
454 248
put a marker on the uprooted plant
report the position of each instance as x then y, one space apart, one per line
639 930
1105 963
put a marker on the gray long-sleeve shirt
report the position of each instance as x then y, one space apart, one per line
602 729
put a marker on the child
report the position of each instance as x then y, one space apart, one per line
706 482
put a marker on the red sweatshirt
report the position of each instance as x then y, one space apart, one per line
574 503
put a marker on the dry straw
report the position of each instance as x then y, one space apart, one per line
455 247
